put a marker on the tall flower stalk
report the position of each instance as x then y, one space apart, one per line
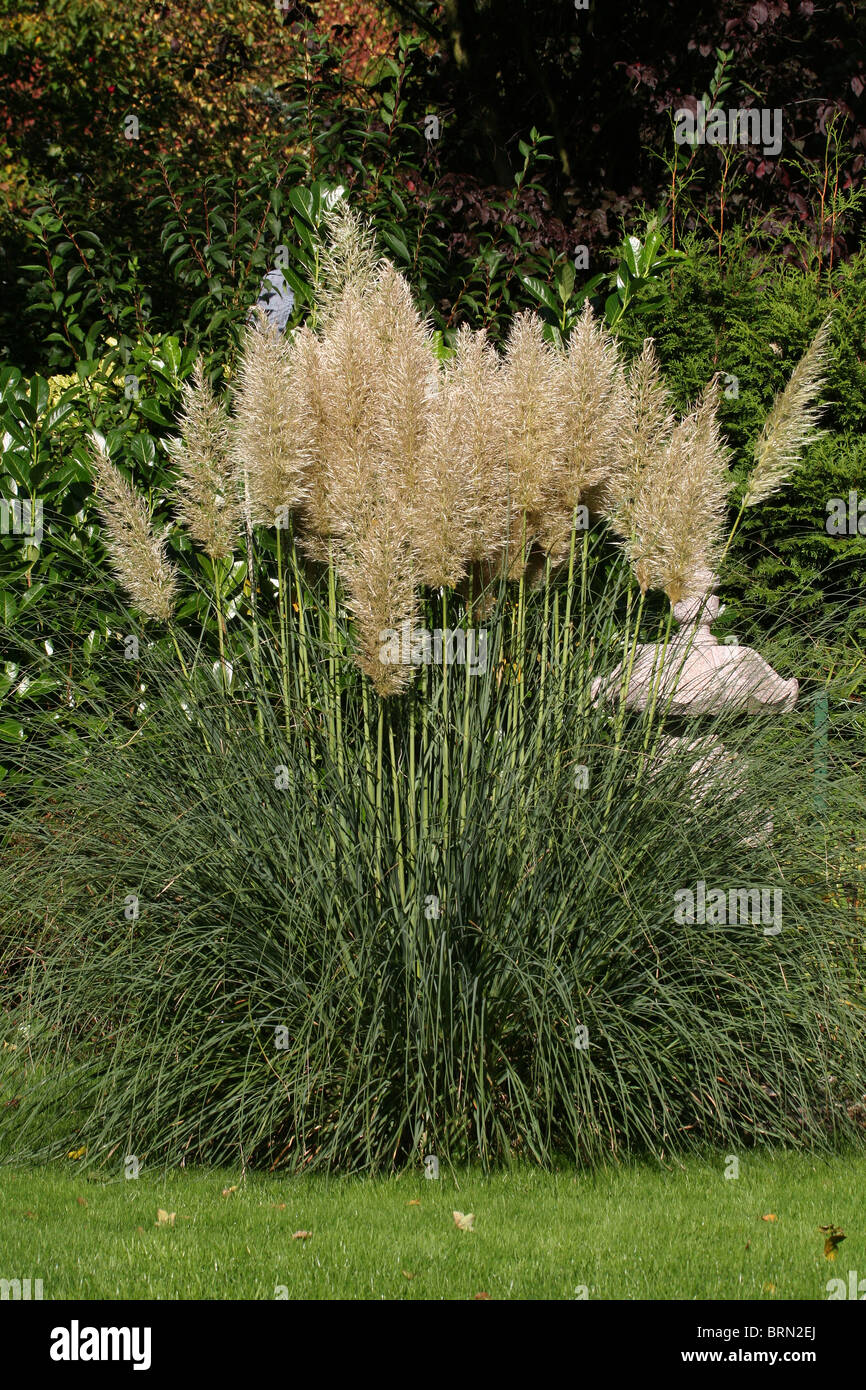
789 427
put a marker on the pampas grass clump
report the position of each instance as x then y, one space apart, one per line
401 884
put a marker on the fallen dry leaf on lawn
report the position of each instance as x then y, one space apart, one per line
464 1223
771 1216
77 1153
414 1203
835 1235
165 1218
301 1235
31 1214
482 1295
280 1206
748 1245
406 1274
769 1288
228 1190
81 1201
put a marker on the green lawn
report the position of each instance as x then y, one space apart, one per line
633 1233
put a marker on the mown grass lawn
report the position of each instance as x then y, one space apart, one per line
631 1233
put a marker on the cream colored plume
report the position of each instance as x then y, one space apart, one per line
406 404
206 492
790 426
377 568
349 258
531 430
591 400
274 420
465 488
680 508
646 428
591 403
138 557
348 388
310 405
367 469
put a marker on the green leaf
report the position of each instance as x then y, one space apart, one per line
15 429
592 285
541 291
397 245
151 411
647 255
332 196
305 236
612 308
170 349
144 450
302 201
630 250
31 596
38 687
11 731
56 416
301 288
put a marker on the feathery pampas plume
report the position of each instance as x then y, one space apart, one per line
790 426
362 489
138 557
680 510
273 421
311 407
206 492
647 425
475 374
666 495
348 388
591 401
465 479
376 565
407 380
349 260
529 410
